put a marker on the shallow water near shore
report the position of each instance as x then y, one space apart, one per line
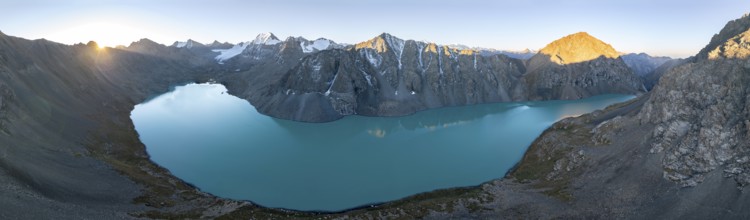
222 145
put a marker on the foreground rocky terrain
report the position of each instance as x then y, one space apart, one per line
69 150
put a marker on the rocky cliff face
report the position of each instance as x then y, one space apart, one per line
577 66
701 115
388 76
701 111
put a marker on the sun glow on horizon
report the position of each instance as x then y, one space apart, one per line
105 34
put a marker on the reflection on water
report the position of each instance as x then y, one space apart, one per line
377 132
222 145
381 126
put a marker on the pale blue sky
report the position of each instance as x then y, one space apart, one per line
660 27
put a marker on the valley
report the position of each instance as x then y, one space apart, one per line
69 148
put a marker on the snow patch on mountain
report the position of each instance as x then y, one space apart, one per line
372 56
397 45
317 45
226 54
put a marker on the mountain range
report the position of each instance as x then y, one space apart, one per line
321 80
68 147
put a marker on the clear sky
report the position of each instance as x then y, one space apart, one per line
659 27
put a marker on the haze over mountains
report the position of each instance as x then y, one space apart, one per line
68 147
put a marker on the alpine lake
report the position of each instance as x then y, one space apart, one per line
222 145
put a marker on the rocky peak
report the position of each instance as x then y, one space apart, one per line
147 46
383 43
733 41
144 42
578 47
570 68
267 38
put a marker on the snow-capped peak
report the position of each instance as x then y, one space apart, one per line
266 38
317 45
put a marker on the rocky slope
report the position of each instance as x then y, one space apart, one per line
701 111
577 66
67 146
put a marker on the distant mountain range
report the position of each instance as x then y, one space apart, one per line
322 80
641 63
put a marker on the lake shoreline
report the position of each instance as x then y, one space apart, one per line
196 113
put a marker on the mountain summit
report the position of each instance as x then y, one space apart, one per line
578 47
570 68
382 43
266 38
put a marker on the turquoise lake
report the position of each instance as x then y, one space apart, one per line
222 145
